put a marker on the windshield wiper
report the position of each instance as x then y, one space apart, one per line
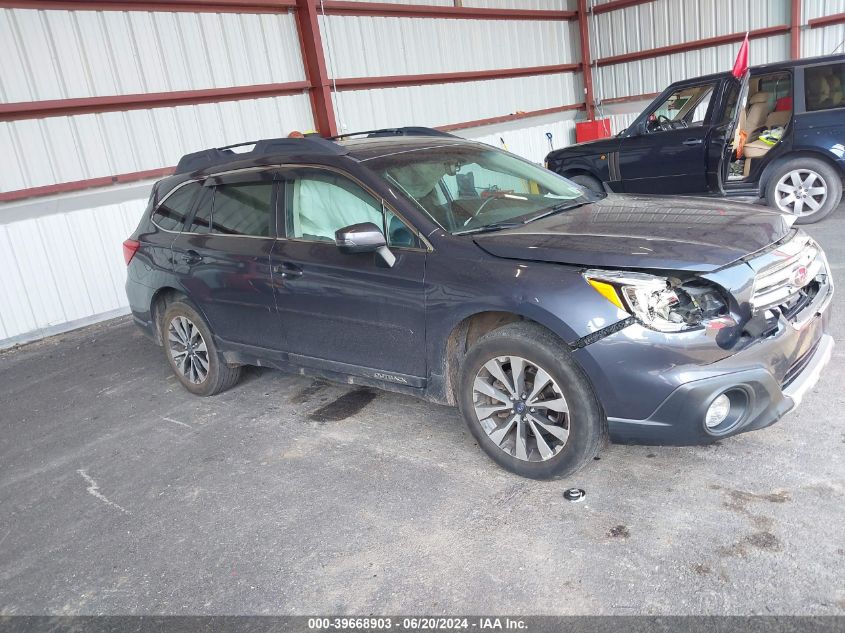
557 209
496 226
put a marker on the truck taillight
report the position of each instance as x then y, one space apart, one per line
130 247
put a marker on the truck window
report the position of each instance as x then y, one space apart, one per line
686 107
823 87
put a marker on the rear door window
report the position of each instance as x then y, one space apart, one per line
823 87
242 209
171 214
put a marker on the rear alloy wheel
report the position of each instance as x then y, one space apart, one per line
190 349
806 188
528 404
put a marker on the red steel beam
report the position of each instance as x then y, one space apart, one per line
510 117
320 91
311 45
79 185
119 103
692 46
795 30
394 81
836 18
193 6
617 4
384 9
586 63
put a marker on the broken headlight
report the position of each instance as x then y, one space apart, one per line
655 302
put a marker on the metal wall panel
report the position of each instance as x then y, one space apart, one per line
544 5
63 269
403 46
666 22
442 104
61 149
526 138
811 9
825 40
69 54
653 75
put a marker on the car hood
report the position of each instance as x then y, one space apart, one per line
645 232
596 146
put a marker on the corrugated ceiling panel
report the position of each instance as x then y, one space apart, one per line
63 149
70 54
653 75
666 22
400 46
443 104
63 268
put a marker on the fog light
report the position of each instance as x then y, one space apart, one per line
717 412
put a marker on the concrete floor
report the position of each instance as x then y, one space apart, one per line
122 493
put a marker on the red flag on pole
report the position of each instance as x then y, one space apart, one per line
741 63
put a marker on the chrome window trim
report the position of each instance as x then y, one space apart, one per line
215 175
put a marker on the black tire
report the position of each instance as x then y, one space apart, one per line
588 182
220 376
587 425
825 173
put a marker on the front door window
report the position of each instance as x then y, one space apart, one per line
684 108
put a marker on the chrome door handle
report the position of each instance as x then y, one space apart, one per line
192 257
288 270
693 141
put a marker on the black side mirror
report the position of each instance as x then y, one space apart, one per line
365 237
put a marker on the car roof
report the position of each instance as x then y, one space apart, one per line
274 152
364 149
766 68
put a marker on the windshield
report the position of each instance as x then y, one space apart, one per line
470 187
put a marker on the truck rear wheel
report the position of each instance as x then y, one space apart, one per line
807 188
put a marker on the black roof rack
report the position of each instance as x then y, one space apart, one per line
396 131
268 147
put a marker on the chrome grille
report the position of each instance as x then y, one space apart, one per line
795 270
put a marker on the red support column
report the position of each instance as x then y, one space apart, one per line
586 61
311 44
795 29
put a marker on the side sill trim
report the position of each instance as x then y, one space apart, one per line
232 351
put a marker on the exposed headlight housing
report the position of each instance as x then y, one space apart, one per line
653 300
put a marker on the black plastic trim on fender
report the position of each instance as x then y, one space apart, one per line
602 333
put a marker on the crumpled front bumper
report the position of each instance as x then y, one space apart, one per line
656 388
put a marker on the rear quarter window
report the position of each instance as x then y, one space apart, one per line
171 214
823 87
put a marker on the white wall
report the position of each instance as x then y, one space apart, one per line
63 270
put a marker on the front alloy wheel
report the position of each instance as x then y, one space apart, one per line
801 192
521 408
528 404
